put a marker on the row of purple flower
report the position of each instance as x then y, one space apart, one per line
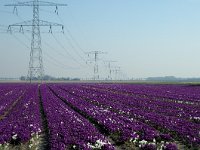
101 116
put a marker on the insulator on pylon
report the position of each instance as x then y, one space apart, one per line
21 29
9 29
63 29
56 11
50 29
15 10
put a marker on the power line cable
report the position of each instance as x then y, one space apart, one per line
69 41
58 62
59 43
73 39
53 58
55 50
47 11
55 64
48 45
74 47
20 41
71 36
71 44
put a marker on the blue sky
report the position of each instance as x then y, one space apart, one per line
145 37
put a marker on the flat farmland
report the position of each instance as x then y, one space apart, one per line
107 116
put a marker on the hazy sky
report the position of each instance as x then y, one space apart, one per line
145 37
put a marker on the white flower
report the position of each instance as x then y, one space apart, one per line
30 145
90 145
14 136
98 144
154 140
162 147
143 142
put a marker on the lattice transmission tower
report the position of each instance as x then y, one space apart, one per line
117 70
109 77
95 60
36 70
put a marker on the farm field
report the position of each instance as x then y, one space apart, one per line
86 116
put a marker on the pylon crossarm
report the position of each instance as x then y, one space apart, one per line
30 3
93 52
46 23
24 23
12 29
41 23
40 3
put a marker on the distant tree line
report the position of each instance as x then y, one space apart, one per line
50 78
3 79
173 79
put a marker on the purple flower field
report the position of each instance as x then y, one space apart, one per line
87 116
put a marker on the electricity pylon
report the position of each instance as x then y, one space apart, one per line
95 60
109 68
36 70
116 71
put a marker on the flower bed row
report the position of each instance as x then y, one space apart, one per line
23 122
67 128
